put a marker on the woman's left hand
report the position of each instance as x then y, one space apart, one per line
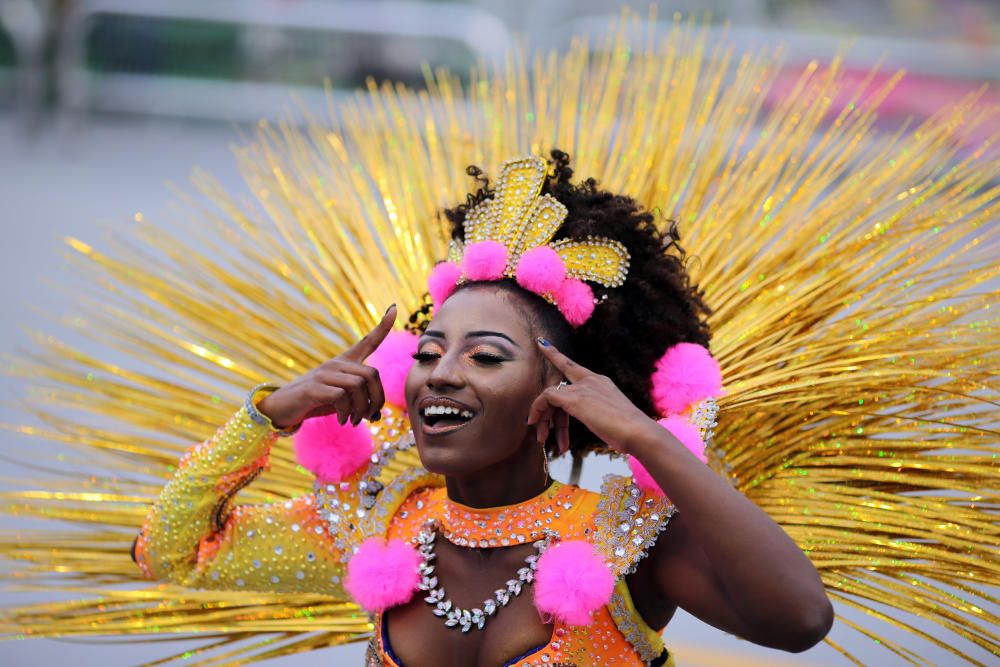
592 399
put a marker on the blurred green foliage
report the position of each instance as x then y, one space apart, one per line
177 47
235 52
7 56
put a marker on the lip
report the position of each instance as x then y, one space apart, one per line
442 429
442 400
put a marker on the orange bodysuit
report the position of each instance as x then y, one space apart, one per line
193 538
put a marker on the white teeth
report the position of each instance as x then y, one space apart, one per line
433 410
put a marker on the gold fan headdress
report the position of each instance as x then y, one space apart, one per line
509 234
849 274
521 219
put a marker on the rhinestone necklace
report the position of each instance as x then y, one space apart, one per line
455 616
508 525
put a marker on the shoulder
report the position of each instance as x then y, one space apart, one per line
626 522
396 484
621 521
421 503
365 506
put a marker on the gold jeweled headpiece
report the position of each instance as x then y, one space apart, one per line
509 236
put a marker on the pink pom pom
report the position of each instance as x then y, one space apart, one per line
575 300
684 431
643 479
686 373
572 582
541 270
380 576
485 260
331 451
687 433
393 359
442 280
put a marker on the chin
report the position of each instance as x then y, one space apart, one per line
447 463
451 456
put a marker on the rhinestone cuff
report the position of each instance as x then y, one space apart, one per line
258 417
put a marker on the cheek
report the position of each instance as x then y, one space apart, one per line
413 381
512 397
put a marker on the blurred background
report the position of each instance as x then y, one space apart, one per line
104 103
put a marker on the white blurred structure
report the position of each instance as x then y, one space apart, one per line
240 60
394 36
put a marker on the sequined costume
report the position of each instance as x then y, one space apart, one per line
854 320
193 538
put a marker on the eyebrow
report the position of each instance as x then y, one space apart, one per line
433 333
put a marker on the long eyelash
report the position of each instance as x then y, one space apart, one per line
484 357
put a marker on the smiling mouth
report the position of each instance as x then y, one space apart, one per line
438 419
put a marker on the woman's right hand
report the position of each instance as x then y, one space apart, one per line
343 385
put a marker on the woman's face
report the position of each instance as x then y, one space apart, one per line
478 370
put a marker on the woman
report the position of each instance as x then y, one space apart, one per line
516 363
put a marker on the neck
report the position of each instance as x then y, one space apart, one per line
504 483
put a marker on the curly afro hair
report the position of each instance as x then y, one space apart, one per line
634 324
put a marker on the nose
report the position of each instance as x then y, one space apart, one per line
446 373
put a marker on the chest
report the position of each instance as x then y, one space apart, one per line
469 577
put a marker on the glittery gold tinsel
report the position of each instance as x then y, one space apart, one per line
852 275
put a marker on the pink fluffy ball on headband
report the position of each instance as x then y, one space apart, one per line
485 260
442 281
685 374
572 582
382 575
684 431
575 300
393 359
541 270
331 451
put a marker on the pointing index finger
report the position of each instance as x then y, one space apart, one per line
573 371
370 342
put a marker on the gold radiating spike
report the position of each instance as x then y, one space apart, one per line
852 276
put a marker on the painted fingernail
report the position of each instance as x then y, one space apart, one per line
391 306
543 342
375 417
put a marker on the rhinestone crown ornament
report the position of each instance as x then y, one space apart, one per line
510 236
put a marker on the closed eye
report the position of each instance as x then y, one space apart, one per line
423 357
486 358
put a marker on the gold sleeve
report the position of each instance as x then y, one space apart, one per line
189 538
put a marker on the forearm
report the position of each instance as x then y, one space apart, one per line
191 504
191 536
770 583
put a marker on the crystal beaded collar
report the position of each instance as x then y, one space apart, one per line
506 525
455 616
